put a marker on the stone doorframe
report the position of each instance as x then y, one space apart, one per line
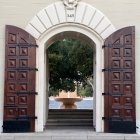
55 19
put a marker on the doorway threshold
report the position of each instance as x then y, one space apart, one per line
68 133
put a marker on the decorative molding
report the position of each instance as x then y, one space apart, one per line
70 4
83 14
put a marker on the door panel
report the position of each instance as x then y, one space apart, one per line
119 87
20 71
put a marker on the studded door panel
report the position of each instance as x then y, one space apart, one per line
120 81
20 63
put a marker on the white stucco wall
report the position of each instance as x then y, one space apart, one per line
121 13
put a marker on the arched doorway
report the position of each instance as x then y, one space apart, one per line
87 121
74 32
41 58
47 28
82 19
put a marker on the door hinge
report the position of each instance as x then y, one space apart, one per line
108 46
34 69
29 69
103 70
113 46
113 94
103 118
109 70
32 117
10 106
26 118
104 94
26 45
29 93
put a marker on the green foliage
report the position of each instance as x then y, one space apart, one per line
70 62
53 92
86 91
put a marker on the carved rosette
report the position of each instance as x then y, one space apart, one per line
70 4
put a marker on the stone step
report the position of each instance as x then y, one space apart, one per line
69 135
72 116
69 112
83 124
69 122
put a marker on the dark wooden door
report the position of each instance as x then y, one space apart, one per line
20 71
119 72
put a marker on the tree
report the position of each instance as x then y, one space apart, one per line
86 91
70 63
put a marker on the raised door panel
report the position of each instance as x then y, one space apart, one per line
20 71
120 81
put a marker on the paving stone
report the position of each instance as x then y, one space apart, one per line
6 137
33 138
70 138
132 137
66 134
105 138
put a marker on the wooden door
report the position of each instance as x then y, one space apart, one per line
20 71
119 72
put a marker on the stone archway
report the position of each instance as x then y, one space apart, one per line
41 80
56 14
56 19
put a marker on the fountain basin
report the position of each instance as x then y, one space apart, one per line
68 103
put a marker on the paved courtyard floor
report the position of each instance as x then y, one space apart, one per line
63 133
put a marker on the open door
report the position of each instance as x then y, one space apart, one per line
119 75
20 71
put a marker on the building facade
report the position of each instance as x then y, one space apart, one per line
111 27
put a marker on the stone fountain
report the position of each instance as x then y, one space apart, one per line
68 100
